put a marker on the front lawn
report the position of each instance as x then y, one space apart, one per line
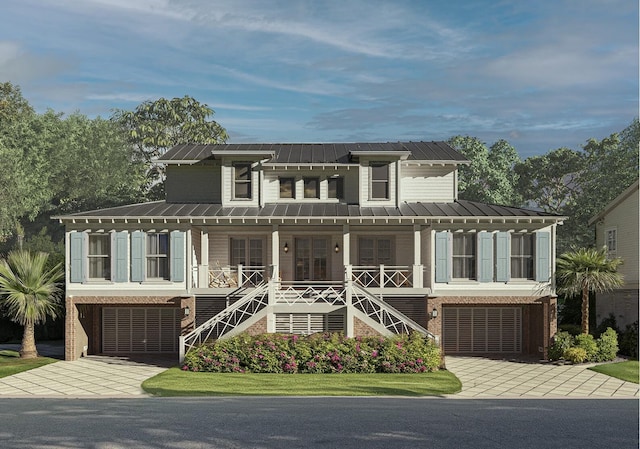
627 371
11 363
175 382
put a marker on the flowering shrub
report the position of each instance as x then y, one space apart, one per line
318 353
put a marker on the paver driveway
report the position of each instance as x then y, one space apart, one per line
484 377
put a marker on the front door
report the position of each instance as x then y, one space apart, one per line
312 259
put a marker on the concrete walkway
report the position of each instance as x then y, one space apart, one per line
87 377
491 378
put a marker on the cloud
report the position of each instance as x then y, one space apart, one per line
20 66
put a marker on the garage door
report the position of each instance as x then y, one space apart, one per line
482 329
140 330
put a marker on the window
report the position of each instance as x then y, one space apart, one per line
287 188
522 256
464 256
242 181
379 180
375 251
99 256
157 256
611 240
247 252
335 187
312 187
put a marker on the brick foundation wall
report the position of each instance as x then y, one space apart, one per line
361 329
257 328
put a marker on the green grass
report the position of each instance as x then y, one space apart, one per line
11 363
175 382
623 370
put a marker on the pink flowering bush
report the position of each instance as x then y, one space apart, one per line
322 353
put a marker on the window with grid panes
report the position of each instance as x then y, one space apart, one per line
242 181
99 256
379 172
287 188
311 187
464 256
522 256
157 255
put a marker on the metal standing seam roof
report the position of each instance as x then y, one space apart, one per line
164 210
309 153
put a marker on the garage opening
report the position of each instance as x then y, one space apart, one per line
128 330
482 330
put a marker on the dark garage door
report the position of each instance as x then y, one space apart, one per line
140 330
482 329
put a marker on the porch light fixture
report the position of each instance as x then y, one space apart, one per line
337 248
187 311
434 313
286 248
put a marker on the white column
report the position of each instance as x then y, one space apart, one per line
275 246
203 266
417 257
346 245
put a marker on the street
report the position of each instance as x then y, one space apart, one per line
264 422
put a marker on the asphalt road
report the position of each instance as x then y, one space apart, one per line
369 423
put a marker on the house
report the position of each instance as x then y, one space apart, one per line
616 228
363 238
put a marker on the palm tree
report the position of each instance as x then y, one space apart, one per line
30 293
587 270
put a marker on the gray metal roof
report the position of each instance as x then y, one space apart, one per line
302 153
164 210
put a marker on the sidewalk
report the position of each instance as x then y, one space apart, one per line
490 378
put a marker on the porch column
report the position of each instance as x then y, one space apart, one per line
346 241
417 257
275 247
203 267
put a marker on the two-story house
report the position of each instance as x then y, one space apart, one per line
366 238
617 228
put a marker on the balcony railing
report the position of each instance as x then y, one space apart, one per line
237 276
382 276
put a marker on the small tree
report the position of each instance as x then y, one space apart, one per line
587 270
29 293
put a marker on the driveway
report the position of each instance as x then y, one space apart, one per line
88 376
491 378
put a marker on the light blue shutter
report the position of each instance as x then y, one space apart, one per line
443 259
503 257
485 256
543 253
177 256
138 240
77 255
120 256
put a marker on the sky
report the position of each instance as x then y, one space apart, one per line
541 74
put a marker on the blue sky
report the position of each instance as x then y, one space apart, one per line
540 74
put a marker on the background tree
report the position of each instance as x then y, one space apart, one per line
155 126
587 270
490 178
30 293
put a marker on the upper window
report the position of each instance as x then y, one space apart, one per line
311 187
287 188
379 180
99 256
157 256
522 256
611 240
335 187
464 256
242 181
375 251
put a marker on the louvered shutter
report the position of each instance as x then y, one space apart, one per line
120 242
503 256
543 251
78 256
177 256
138 240
485 256
443 256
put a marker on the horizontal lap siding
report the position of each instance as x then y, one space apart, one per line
427 184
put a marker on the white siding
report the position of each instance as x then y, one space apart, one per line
365 196
271 186
228 177
427 184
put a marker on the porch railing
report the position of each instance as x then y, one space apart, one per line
305 293
382 276
237 276
381 312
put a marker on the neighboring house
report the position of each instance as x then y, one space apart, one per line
365 239
617 229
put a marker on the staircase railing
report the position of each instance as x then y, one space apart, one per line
227 320
384 314
309 294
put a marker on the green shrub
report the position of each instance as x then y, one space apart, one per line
318 353
575 355
607 346
608 322
588 343
629 340
561 342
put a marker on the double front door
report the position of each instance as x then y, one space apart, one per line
312 259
